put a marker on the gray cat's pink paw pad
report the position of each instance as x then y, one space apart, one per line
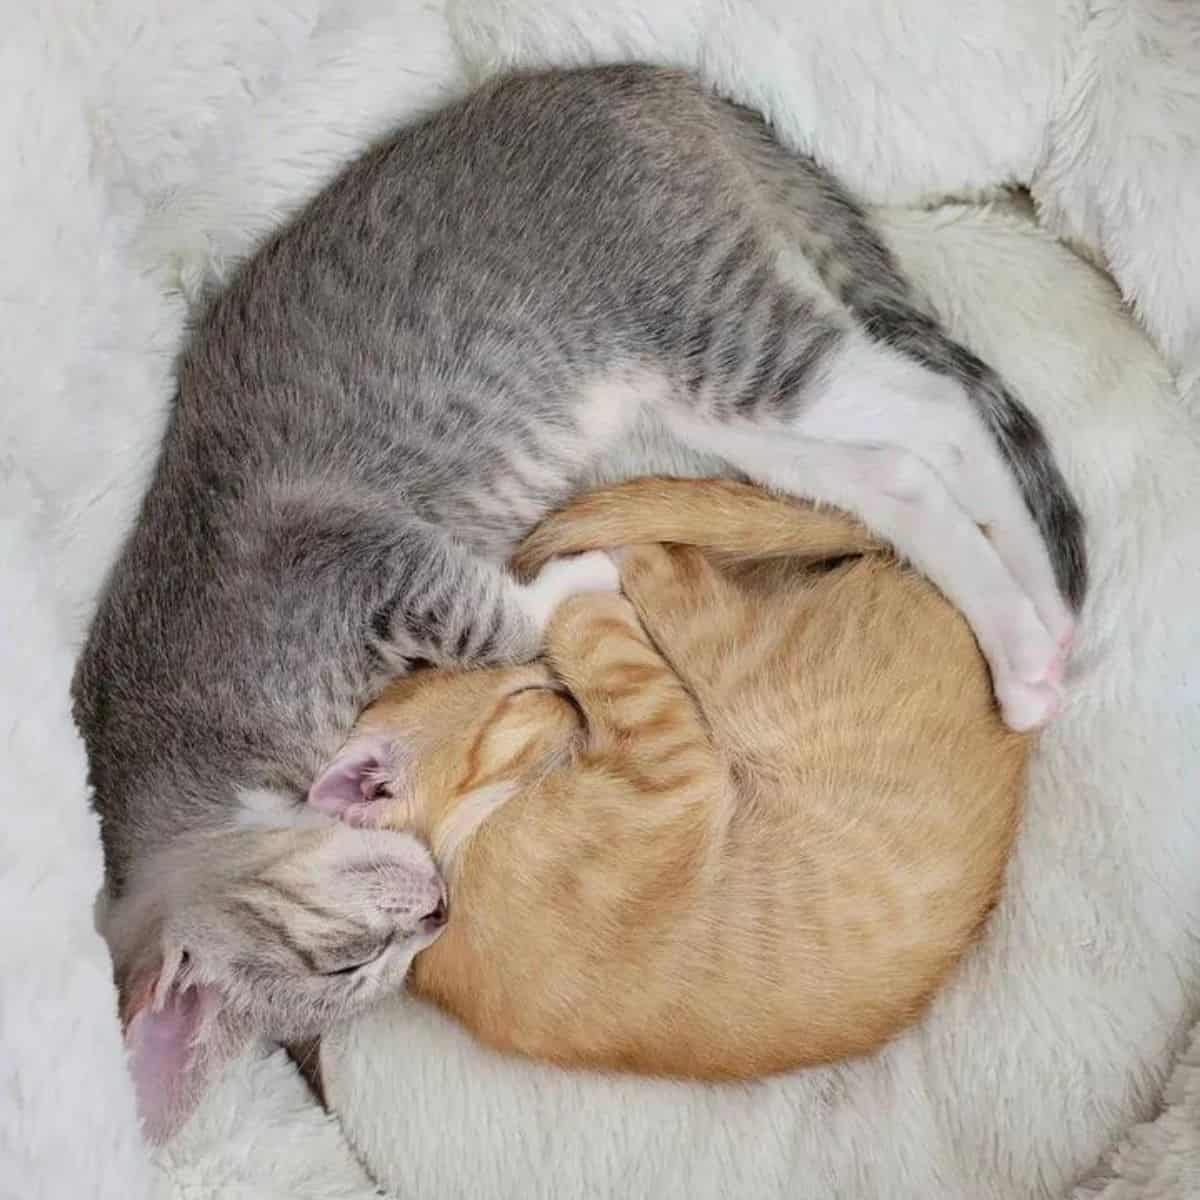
1048 671
1029 688
1028 706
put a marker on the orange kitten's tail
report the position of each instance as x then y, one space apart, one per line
736 520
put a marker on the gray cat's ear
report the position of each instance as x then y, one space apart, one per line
176 1036
361 781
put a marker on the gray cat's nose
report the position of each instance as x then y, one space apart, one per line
437 916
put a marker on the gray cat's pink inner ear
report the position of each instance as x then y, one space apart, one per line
352 778
168 1060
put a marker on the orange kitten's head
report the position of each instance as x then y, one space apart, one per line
449 746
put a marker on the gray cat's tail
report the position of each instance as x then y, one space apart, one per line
857 266
898 323
736 520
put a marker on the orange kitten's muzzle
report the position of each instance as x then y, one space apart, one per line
445 747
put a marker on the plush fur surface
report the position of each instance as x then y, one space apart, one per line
145 144
1158 1160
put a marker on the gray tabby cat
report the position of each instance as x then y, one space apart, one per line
440 349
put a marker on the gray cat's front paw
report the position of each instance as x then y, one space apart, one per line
594 571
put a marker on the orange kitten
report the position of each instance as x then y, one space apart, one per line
747 818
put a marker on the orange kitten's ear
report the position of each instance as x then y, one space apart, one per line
366 776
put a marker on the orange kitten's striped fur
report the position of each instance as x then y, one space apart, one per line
760 830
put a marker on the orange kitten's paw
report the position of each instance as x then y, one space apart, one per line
582 621
664 577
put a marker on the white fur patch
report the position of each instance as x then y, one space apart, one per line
609 407
561 578
262 808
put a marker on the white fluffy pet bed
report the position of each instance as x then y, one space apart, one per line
145 143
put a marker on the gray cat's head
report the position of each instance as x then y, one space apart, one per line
260 932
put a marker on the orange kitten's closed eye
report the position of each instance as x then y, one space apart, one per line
759 833
465 734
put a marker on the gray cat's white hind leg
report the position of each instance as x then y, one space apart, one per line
873 395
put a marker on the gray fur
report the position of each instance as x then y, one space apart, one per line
856 265
294 920
389 394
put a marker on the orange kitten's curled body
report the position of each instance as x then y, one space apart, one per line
758 828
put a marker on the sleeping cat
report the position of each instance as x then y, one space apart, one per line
747 820
434 353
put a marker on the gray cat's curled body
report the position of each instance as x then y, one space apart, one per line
438 350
